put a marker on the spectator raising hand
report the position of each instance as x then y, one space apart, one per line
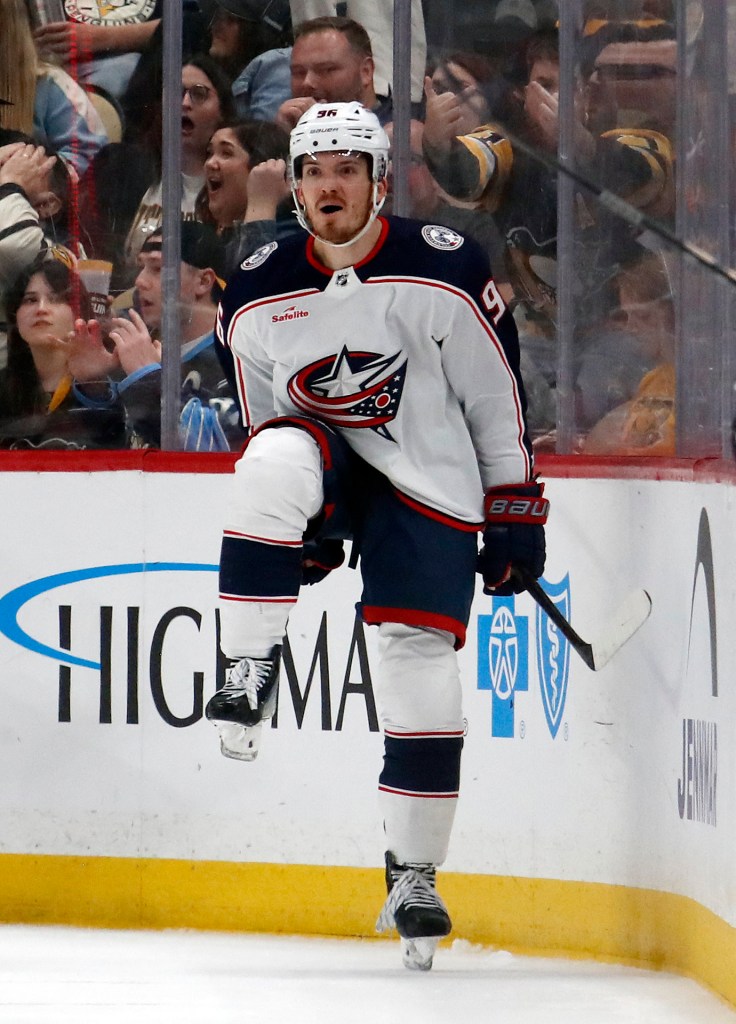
267 188
443 120
134 346
63 40
24 174
28 167
87 358
90 361
104 53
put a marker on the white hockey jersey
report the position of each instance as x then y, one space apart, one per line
410 354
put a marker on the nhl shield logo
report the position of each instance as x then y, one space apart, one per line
553 655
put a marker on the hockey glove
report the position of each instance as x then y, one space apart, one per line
319 558
513 536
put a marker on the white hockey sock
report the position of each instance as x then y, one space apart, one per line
417 829
277 488
420 706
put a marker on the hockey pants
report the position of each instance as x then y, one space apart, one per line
278 489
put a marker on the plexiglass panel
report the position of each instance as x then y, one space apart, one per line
587 146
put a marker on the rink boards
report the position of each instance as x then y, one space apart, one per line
597 812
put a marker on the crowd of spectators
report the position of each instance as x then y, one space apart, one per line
81 178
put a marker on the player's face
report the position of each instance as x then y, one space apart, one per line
226 176
324 66
42 314
337 193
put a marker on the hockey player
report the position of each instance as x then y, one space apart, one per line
377 369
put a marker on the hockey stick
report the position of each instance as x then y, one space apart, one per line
629 617
620 208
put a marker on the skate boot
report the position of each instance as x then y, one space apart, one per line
246 700
415 909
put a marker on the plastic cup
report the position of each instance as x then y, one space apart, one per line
95 275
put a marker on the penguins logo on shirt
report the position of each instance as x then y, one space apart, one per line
351 389
110 12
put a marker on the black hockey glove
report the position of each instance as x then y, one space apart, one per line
513 536
319 558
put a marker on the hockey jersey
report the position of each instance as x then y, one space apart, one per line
410 354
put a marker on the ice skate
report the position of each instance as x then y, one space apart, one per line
415 909
246 700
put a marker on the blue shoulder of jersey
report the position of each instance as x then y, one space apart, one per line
265 272
425 249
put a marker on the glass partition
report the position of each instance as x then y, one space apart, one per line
610 184
112 262
586 145
704 362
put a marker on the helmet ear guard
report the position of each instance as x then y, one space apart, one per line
339 128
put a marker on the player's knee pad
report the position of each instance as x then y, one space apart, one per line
278 485
419 681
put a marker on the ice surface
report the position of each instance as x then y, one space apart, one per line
63 975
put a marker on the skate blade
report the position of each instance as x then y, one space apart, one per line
417 954
239 742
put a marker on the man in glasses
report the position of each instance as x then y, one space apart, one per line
634 78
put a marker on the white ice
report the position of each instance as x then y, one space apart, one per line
63 975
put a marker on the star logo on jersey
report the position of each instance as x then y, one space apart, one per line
351 389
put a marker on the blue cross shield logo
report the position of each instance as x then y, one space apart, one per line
503 661
553 655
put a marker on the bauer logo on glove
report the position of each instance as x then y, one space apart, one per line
513 536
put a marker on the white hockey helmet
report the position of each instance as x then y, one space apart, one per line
339 128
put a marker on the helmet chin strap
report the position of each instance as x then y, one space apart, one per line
375 210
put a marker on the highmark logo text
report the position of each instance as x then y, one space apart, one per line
168 650
504 661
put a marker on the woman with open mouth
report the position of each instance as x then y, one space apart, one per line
246 195
205 104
